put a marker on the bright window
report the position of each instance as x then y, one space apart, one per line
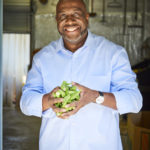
16 59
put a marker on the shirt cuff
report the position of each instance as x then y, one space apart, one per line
31 105
126 102
49 113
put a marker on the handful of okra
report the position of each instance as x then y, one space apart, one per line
69 93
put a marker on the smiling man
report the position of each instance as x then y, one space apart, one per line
72 22
98 67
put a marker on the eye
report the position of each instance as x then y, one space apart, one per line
62 17
77 15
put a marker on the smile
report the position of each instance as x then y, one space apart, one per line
71 28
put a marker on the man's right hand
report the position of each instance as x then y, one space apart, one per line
49 101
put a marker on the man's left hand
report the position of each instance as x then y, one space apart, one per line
86 96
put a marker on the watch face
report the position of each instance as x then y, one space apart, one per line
100 100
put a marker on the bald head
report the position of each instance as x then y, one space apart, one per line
81 2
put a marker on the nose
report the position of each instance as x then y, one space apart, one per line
70 19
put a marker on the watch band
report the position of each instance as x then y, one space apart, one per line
101 93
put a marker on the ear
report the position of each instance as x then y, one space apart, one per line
87 16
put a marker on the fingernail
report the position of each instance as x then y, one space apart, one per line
73 83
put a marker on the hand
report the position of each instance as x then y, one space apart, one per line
86 96
49 101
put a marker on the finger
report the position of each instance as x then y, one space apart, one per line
79 86
68 114
57 100
73 104
63 117
56 89
57 110
53 91
81 95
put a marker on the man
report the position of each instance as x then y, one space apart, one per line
98 67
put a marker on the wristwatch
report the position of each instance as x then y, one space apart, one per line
100 99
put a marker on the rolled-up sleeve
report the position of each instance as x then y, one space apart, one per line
124 85
32 93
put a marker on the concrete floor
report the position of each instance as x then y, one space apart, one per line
21 132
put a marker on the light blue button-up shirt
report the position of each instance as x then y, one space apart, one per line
100 65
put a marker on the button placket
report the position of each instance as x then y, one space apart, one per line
73 68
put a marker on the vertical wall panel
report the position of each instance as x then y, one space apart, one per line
1 101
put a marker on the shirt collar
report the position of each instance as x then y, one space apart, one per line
88 42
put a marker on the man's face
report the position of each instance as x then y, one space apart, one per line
72 20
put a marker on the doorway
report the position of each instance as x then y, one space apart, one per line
16 59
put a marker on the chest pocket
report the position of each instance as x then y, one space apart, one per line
99 83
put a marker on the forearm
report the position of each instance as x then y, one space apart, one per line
109 100
88 95
125 101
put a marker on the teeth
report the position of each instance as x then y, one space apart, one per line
71 29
